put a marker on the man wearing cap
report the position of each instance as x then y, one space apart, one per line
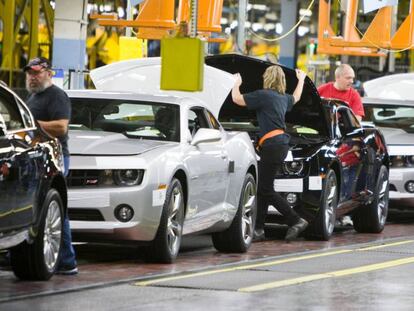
51 108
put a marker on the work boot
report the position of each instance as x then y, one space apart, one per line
297 228
259 235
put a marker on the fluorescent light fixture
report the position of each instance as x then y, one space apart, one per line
257 26
234 24
279 28
302 30
121 12
224 21
305 12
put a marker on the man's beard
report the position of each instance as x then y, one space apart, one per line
40 87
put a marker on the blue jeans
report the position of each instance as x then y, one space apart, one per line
67 252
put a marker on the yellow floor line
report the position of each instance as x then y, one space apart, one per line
385 245
326 275
263 264
243 267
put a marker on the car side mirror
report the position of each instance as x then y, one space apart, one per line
206 136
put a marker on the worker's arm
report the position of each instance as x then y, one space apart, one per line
237 97
299 87
55 128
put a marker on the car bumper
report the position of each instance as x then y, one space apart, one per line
146 204
398 180
310 183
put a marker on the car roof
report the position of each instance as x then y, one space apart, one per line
386 101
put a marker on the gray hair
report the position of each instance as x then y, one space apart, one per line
341 69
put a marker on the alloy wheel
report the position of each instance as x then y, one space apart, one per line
52 234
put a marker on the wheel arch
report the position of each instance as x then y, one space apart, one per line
182 177
59 184
252 170
335 166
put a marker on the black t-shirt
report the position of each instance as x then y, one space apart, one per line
270 107
51 104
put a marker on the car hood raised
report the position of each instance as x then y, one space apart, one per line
307 112
106 143
396 86
144 75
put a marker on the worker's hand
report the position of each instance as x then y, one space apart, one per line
239 80
301 75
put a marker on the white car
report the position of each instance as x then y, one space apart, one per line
395 119
150 166
389 105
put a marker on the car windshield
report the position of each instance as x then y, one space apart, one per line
135 119
393 116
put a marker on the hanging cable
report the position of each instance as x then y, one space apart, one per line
287 33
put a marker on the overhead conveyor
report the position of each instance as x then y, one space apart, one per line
378 36
156 18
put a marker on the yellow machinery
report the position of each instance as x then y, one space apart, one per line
156 18
182 56
377 36
17 45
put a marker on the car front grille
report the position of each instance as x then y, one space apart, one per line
77 178
85 214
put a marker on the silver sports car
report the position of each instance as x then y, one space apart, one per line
395 118
150 165
390 106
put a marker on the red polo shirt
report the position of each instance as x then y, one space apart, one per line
351 97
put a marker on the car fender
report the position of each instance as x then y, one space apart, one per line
241 152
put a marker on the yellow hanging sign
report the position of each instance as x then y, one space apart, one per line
182 64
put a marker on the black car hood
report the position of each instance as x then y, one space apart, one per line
303 151
307 112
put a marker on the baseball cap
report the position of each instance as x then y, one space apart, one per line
37 64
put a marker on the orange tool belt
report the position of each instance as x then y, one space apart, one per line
267 136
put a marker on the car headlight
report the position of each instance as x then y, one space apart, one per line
128 177
293 167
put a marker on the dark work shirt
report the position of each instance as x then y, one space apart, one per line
49 105
270 107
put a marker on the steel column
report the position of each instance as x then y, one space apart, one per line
241 29
289 18
69 41
34 29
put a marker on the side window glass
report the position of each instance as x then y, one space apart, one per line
341 122
10 111
213 121
354 123
196 120
346 121
3 117
27 118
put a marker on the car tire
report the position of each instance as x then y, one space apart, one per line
238 237
166 245
372 217
324 223
38 260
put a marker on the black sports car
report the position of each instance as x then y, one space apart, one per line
335 166
32 191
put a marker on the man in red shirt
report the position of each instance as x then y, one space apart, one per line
342 89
